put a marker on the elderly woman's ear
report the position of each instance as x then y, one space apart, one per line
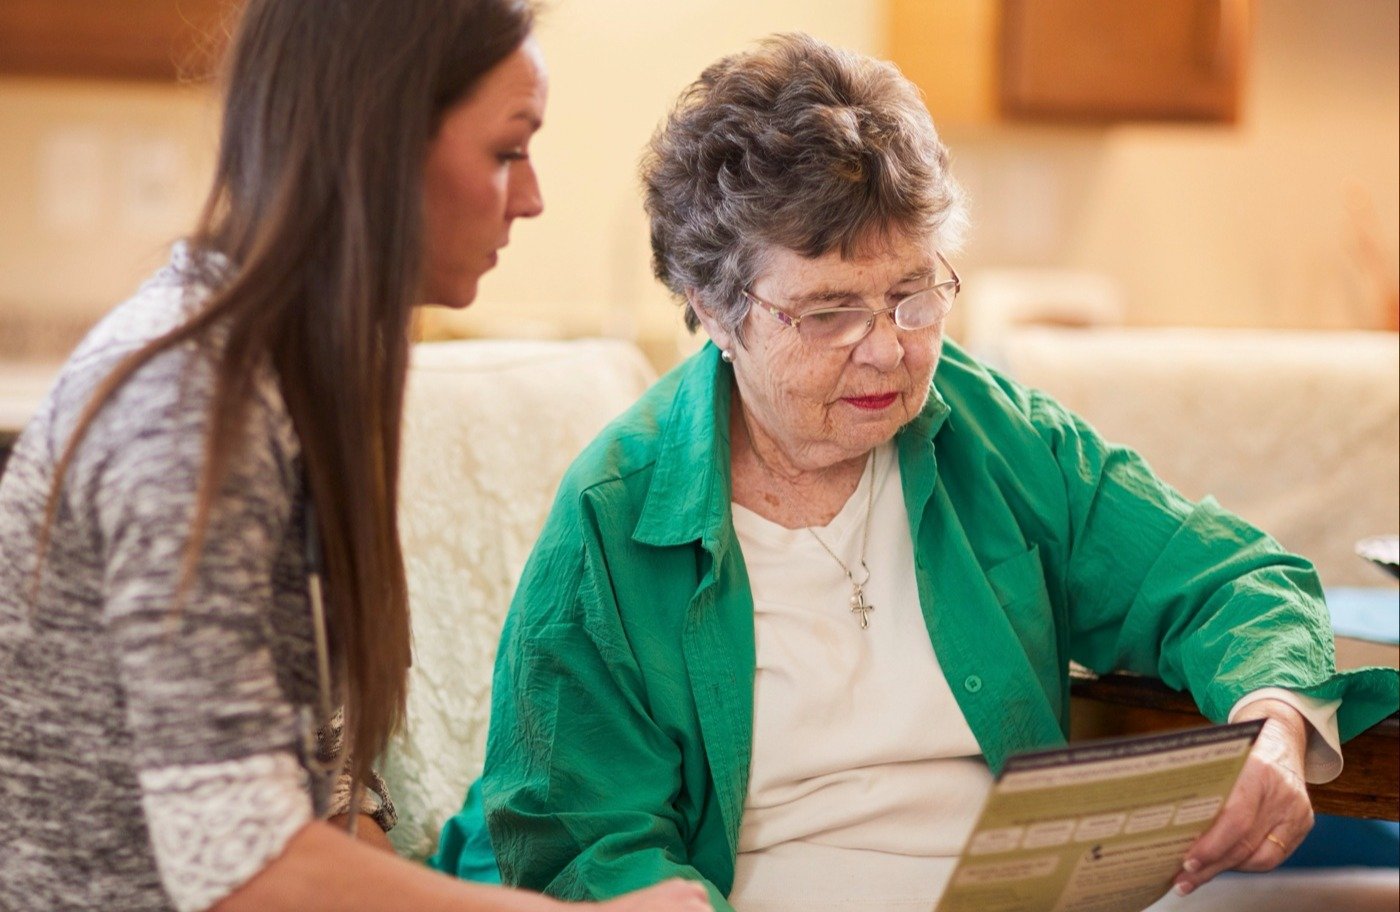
724 338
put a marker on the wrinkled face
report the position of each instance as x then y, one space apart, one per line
478 177
825 406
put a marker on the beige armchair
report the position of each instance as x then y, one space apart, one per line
490 427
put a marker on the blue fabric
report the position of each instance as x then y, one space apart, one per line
1347 842
1367 614
464 848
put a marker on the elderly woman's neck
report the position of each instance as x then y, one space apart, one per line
791 488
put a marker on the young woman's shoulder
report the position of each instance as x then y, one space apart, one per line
168 397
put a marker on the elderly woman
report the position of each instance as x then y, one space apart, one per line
794 609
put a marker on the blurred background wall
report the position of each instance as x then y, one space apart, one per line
1287 218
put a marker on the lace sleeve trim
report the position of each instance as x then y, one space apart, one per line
214 826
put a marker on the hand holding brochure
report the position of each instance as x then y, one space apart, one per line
1096 827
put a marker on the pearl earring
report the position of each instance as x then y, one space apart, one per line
726 356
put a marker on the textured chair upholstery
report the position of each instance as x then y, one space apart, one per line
490 427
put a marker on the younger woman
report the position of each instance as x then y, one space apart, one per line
223 449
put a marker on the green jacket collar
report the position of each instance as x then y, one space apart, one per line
688 499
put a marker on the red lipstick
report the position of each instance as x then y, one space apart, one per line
872 403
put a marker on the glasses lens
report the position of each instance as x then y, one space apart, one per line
922 310
838 327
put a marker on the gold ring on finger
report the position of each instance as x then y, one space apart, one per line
1283 847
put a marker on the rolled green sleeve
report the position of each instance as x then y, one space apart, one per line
1189 592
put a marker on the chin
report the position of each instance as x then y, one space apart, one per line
463 301
454 288
459 298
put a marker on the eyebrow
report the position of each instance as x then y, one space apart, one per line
829 295
534 122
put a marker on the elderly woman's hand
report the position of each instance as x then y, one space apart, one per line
1269 811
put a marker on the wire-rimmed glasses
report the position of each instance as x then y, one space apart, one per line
839 327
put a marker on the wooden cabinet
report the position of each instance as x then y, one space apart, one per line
112 39
1123 59
1074 60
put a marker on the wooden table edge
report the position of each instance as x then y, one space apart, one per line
1369 785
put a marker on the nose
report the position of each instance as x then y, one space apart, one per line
881 347
525 200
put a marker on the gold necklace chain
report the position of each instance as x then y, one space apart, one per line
858 603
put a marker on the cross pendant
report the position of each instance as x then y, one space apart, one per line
859 606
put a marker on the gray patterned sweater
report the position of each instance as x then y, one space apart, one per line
148 758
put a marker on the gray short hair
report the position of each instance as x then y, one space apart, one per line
796 144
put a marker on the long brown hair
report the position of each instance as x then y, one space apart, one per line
329 110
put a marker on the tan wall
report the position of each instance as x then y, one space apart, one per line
95 179
1219 226
1200 225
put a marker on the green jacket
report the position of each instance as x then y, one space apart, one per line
622 708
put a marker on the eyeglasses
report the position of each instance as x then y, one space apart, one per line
839 327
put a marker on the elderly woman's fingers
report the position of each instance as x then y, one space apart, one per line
1230 841
1252 852
1271 853
1260 848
